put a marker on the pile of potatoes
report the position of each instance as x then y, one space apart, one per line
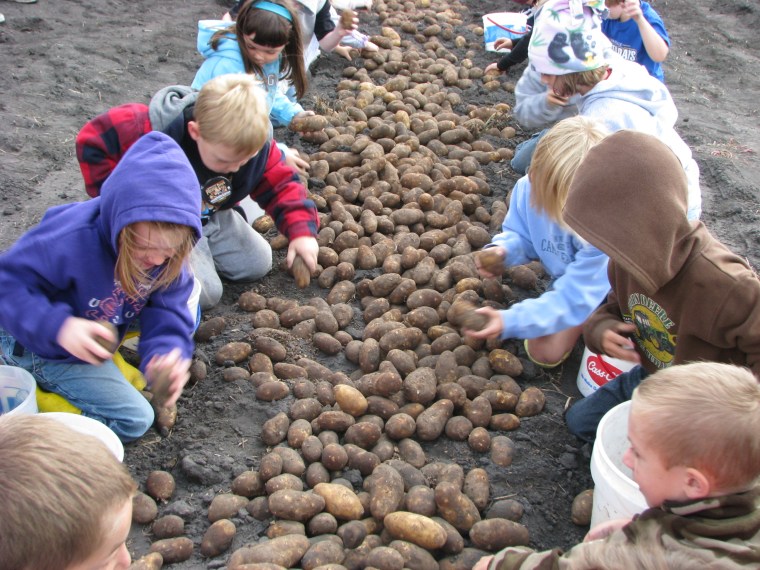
409 514
404 208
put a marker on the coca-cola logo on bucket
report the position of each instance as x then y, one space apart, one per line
601 371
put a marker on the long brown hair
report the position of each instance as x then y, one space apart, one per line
135 281
271 30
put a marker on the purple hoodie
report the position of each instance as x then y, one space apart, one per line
65 266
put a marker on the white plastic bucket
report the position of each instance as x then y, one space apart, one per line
88 426
194 302
616 495
18 391
597 369
512 25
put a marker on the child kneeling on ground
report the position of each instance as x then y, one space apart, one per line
65 500
677 295
694 433
533 229
224 132
116 258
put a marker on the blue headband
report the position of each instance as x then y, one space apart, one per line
274 8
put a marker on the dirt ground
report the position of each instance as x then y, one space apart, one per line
64 62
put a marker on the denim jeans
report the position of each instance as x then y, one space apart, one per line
524 153
101 392
584 416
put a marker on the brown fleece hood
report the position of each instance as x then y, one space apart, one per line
628 199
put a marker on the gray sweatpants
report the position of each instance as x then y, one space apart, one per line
229 248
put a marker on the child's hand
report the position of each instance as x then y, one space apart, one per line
492 329
603 530
487 262
293 160
632 8
347 23
554 100
79 337
491 67
615 343
483 563
343 51
305 246
502 43
167 375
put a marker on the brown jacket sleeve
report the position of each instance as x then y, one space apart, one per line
739 320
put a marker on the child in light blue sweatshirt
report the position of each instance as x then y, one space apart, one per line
533 230
264 40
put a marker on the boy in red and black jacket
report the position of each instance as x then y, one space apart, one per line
224 131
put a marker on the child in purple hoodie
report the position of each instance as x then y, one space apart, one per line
112 259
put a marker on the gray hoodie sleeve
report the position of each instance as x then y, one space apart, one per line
168 103
532 111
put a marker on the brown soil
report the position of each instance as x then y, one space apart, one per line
64 62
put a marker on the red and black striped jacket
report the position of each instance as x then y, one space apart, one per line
266 178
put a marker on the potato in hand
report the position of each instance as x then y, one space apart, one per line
300 272
490 260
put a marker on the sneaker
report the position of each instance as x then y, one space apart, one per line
24 1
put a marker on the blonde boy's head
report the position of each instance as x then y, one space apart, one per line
558 155
58 489
705 416
231 110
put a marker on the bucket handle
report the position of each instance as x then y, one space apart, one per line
510 30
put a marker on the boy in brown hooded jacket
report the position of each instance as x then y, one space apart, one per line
678 295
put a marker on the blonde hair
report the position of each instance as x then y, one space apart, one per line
57 487
556 159
568 85
704 415
231 110
135 281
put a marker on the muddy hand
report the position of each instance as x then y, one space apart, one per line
491 328
490 261
87 340
167 375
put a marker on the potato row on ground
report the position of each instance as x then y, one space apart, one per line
404 204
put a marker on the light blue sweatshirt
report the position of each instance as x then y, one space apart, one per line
228 59
531 108
578 269
629 98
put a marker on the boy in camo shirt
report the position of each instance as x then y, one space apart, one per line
694 431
